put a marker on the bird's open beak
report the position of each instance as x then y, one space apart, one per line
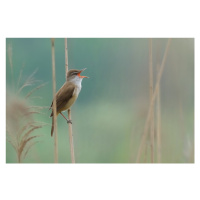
79 74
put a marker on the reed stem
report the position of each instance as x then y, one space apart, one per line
54 103
10 53
158 127
146 127
151 95
69 111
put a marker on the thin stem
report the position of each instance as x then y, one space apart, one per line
10 53
146 127
71 138
158 127
54 103
66 58
18 157
151 95
69 111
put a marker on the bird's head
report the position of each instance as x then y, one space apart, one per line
75 74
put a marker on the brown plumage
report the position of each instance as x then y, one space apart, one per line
63 96
68 93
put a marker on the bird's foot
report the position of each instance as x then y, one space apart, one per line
69 121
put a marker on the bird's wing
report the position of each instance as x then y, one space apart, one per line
63 95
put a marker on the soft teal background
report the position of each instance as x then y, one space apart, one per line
109 115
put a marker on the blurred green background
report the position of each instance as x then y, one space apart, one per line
110 113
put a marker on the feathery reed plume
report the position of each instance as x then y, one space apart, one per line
151 95
146 127
29 82
54 103
20 125
69 111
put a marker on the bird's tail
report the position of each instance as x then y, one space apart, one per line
52 127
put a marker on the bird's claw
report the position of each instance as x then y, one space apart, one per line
69 121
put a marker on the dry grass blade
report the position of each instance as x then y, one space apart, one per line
34 89
26 135
28 148
20 76
146 127
24 128
23 144
29 82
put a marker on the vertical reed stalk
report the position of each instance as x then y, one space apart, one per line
10 53
146 152
69 111
158 126
151 95
54 103
146 127
18 157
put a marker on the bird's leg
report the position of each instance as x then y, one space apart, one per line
68 120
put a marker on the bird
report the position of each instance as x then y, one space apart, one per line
67 94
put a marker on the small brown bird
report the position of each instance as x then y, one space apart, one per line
67 94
